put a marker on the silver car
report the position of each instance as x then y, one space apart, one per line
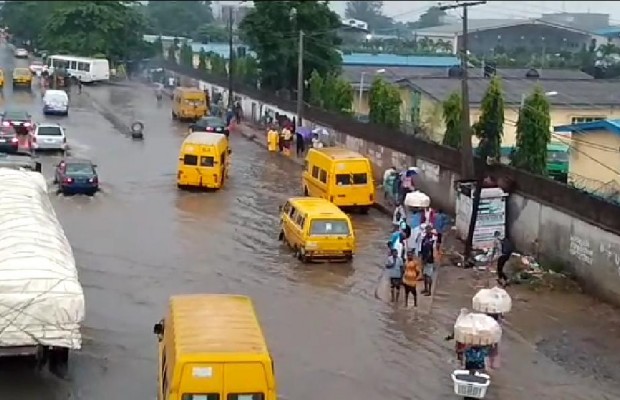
21 53
49 137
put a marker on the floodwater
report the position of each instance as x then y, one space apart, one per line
141 240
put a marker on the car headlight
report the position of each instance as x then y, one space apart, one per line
311 245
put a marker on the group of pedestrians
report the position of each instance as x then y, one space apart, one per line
414 251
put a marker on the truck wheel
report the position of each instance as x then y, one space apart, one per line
59 362
281 236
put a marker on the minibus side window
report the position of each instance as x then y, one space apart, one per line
245 396
190 159
323 176
287 208
300 221
293 214
223 158
315 172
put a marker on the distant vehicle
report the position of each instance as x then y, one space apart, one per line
22 77
210 124
49 136
36 67
86 69
18 121
21 53
55 102
75 175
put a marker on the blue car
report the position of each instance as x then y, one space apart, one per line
77 176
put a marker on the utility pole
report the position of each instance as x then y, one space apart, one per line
300 79
467 154
467 160
231 57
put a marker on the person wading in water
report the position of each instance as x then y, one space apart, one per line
428 259
410 278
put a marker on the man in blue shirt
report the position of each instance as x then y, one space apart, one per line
475 358
394 266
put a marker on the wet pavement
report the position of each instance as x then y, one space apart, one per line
141 240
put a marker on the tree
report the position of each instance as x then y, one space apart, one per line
272 28
178 18
26 19
202 59
343 97
315 89
186 55
86 28
490 126
452 109
208 33
172 51
246 68
158 44
384 103
370 12
431 17
533 134
218 64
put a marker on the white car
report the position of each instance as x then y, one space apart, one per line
37 67
21 53
49 136
55 102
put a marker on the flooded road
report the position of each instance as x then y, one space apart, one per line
141 240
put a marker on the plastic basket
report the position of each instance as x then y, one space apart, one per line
468 388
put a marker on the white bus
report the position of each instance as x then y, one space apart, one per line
87 69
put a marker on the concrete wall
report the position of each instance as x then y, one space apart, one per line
592 253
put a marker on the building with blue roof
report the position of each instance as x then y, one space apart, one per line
393 60
594 156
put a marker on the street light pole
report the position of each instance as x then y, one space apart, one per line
360 94
300 79
230 57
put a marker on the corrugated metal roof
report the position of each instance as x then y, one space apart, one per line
393 60
579 93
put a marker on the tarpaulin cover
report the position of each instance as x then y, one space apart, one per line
41 299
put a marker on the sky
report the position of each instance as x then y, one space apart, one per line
411 10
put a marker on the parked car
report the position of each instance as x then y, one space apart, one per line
210 124
17 120
48 136
55 102
21 53
77 175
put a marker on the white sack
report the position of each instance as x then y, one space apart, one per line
492 301
476 329
417 199
41 299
